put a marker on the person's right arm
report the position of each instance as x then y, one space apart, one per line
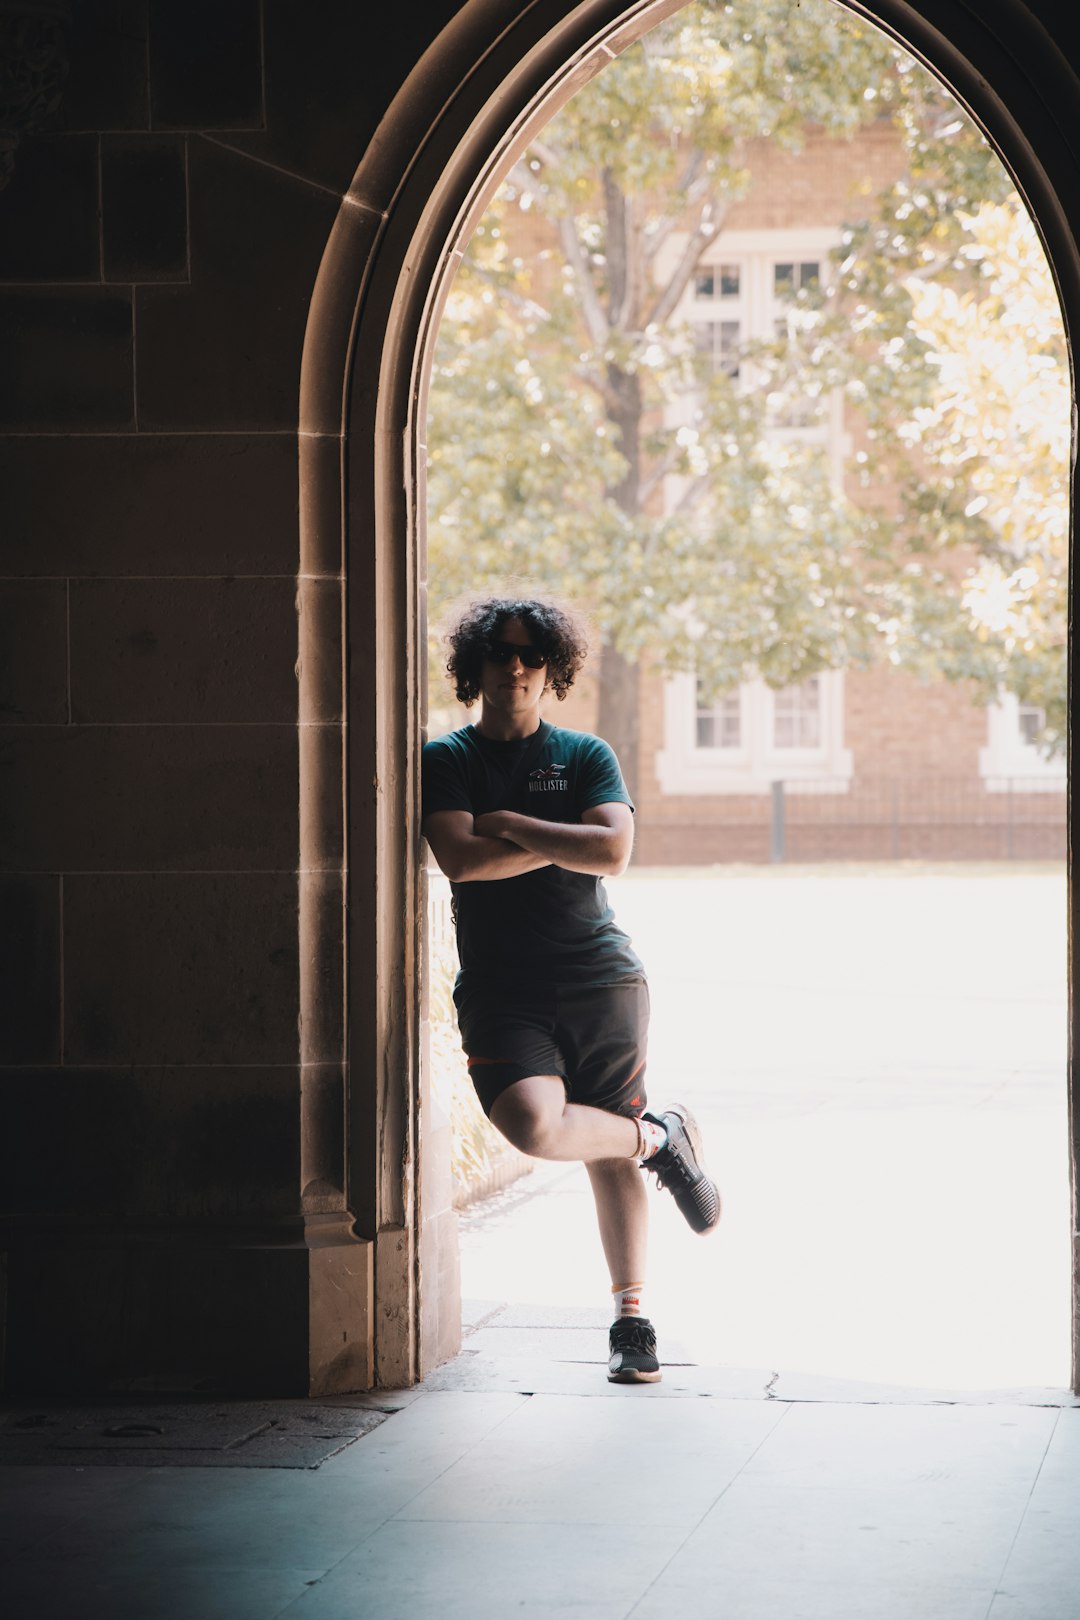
466 857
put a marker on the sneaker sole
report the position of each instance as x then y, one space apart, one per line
693 1131
632 1376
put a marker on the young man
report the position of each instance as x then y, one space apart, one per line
525 819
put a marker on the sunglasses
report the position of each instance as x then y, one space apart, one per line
501 652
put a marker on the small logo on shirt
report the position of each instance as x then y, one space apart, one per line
549 779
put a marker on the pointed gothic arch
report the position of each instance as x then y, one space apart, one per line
497 72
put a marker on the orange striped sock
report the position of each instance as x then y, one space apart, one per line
628 1299
651 1138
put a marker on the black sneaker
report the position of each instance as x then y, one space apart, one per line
678 1166
632 1343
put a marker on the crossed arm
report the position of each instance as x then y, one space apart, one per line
503 844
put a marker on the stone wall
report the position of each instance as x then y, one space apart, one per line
160 235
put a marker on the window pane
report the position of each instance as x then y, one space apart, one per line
797 715
1032 719
705 285
719 724
729 347
802 413
729 281
703 336
720 340
788 277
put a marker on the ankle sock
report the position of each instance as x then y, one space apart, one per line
628 1300
651 1138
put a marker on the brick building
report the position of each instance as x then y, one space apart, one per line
857 764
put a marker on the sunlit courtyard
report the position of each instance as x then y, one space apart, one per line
877 1056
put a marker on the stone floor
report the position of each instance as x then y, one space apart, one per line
706 1494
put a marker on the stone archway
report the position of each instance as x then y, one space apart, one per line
496 72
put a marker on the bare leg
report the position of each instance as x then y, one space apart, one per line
622 1212
535 1115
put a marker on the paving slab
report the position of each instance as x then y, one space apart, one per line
418 1570
487 1502
531 1347
540 1374
559 1460
192 1434
108 1588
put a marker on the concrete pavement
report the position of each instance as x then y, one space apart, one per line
493 1503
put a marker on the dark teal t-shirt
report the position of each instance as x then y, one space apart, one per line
551 925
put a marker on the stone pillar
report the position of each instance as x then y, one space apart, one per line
175 1210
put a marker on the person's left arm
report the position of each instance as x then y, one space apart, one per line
599 844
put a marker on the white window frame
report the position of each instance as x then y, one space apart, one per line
737 752
683 767
1007 756
756 307
703 309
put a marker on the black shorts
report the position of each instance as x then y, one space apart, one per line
594 1037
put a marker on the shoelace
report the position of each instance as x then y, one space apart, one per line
677 1172
633 1333
676 1169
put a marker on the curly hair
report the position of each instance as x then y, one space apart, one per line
552 630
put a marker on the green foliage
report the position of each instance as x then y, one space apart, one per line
945 331
568 402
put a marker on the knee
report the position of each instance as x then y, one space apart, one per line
530 1130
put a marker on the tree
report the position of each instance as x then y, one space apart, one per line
580 441
997 430
975 439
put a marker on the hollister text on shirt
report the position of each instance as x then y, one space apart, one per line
548 780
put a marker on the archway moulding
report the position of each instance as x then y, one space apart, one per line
496 72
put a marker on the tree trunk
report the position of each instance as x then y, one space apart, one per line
619 696
617 720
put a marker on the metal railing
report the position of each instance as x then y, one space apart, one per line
925 816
